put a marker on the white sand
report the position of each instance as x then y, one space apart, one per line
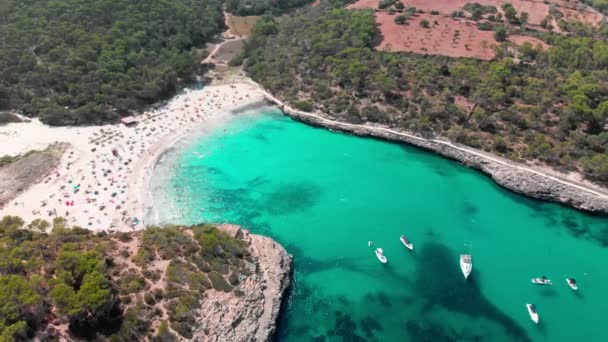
107 190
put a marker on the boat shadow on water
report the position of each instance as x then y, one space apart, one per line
440 282
548 291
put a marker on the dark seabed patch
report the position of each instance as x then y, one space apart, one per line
469 209
452 292
288 198
261 137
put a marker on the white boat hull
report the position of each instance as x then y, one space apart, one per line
466 265
573 286
533 314
407 244
541 281
380 256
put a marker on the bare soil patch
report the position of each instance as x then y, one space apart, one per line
362 4
519 40
228 50
21 172
445 36
537 9
240 26
8 117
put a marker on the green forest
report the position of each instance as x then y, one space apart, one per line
53 275
257 7
84 62
530 104
76 62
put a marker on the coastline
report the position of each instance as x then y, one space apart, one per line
518 178
127 188
252 316
101 180
140 193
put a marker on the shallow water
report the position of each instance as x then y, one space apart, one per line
323 195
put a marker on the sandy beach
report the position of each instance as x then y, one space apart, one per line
101 182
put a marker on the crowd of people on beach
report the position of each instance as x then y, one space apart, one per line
93 187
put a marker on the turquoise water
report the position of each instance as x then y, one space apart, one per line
323 195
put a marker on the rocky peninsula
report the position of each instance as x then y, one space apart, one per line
171 283
252 314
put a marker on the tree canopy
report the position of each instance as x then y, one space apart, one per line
326 56
82 62
257 7
88 282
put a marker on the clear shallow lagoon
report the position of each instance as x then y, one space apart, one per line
323 195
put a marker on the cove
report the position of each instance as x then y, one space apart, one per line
323 195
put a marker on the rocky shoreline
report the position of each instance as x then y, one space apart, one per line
252 313
508 174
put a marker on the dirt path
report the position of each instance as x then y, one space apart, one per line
597 192
217 47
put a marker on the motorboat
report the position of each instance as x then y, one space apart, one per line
542 281
406 242
380 255
466 264
532 312
572 283
369 243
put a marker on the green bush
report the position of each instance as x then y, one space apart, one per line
500 34
236 60
131 282
304 106
218 282
384 4
485 26
400 19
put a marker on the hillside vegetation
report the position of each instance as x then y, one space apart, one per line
256 7
548 106
74 62
120 286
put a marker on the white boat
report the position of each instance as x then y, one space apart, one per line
466 264
542 281
572 283
380 255
532 312
406 242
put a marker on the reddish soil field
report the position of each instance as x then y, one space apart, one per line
447 37
240 26
537 9
361 4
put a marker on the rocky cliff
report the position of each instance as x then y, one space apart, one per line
251 313
513 176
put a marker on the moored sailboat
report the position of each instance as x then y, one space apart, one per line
406 242
572 283
541 281
466 264
532 312
380 255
